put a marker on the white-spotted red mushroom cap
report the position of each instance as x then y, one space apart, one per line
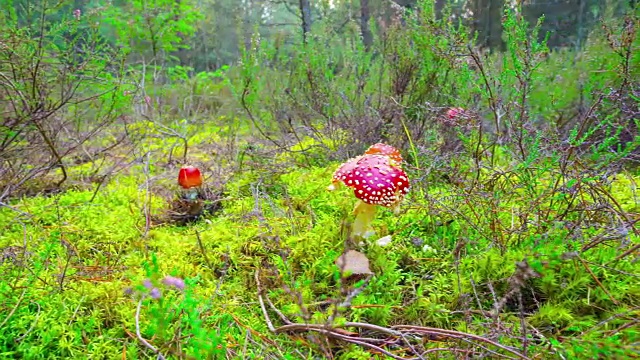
375 179
384 149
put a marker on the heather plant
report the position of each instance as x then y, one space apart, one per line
173 309
347 96
56 69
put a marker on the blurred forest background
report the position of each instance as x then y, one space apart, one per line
231 25
213 33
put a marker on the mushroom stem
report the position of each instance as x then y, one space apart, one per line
365 213
191 193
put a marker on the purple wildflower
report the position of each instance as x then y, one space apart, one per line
147 283
176 282
155 293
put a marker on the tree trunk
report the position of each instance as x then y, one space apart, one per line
487 22
494 25
365 15
305 11
439 8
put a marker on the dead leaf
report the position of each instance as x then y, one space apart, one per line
354 263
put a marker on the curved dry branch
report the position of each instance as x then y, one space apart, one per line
457 335
400 332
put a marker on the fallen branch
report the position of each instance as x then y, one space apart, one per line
395 335
456 335
264 309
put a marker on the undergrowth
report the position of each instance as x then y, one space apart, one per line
518 238
70 262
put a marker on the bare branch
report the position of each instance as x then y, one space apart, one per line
139 335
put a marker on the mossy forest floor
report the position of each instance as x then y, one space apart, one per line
505 265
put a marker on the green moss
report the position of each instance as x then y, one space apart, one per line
91 315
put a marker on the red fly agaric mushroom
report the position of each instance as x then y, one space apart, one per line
384 149
453 113
190 177
376 180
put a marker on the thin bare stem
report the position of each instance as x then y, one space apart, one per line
13 310
264 309
139 335
33 325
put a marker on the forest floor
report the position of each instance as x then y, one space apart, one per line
510 264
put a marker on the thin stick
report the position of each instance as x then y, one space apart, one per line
624 254
33 325
264 309
139 335
15 209
332 333
14 308
468 352
598 281
551 346
523 325
225 268
246 342
447 333
453 333
204 253
147 199
282 316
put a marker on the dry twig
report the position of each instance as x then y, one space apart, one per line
139 335
396 335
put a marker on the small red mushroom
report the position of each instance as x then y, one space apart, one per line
453 113
375 180
384 149
189 176
190 179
